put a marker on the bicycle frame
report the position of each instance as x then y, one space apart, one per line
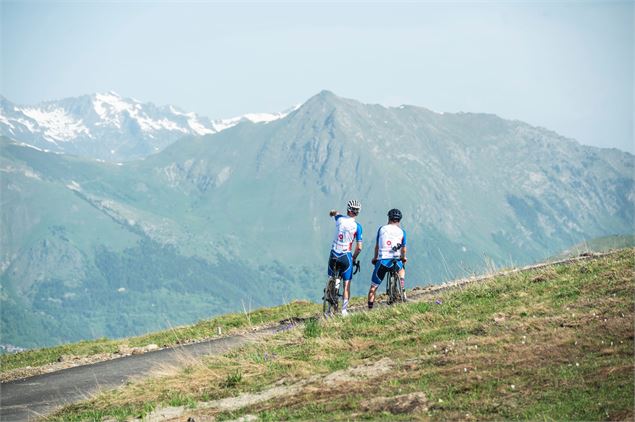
331 296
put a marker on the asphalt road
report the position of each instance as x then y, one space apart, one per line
32 398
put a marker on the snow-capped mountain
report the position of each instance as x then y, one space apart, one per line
108 126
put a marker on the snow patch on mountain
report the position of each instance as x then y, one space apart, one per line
193 122
55 123
223 124
110 127
5 121
107 105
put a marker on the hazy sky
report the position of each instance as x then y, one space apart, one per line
567 65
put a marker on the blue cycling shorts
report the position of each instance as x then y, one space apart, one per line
381 268
342 262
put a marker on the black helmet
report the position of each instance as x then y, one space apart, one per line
394 215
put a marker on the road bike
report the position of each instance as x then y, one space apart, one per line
334 290
332 294
394 289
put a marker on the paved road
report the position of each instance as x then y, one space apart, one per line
31 398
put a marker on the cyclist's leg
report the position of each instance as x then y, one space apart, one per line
402 274
347 276
371 295
378 275
332 264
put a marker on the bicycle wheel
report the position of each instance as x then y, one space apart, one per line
335 295
326 306
393 281
330 303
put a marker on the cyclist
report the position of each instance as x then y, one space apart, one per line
347 230
391 243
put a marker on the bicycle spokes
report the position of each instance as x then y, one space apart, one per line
331 297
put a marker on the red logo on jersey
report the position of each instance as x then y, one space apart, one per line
388 242
341 236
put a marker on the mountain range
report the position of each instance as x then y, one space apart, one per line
239 218
107 126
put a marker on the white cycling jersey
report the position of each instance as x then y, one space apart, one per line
346 231
389 236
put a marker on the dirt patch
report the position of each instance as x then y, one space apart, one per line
359 373
317 382
406 403
166 414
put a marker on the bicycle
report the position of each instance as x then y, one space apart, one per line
333 291
394 289
332 294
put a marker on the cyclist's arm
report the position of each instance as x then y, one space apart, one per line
358 241
358 249
376 253
403 254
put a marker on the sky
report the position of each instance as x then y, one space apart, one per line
563 65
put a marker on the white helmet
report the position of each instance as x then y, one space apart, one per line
353 206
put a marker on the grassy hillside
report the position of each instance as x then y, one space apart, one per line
79 246
554 343
103 348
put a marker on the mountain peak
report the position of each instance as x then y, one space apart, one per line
323 101
325 96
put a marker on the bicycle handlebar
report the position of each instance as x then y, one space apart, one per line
397 247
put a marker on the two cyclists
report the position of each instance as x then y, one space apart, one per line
342 259
390 250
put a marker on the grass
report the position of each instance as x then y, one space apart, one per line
205 329
312 328
549 344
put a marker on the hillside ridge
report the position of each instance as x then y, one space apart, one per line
548 343
68 360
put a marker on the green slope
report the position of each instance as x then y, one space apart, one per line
548 344
89 262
